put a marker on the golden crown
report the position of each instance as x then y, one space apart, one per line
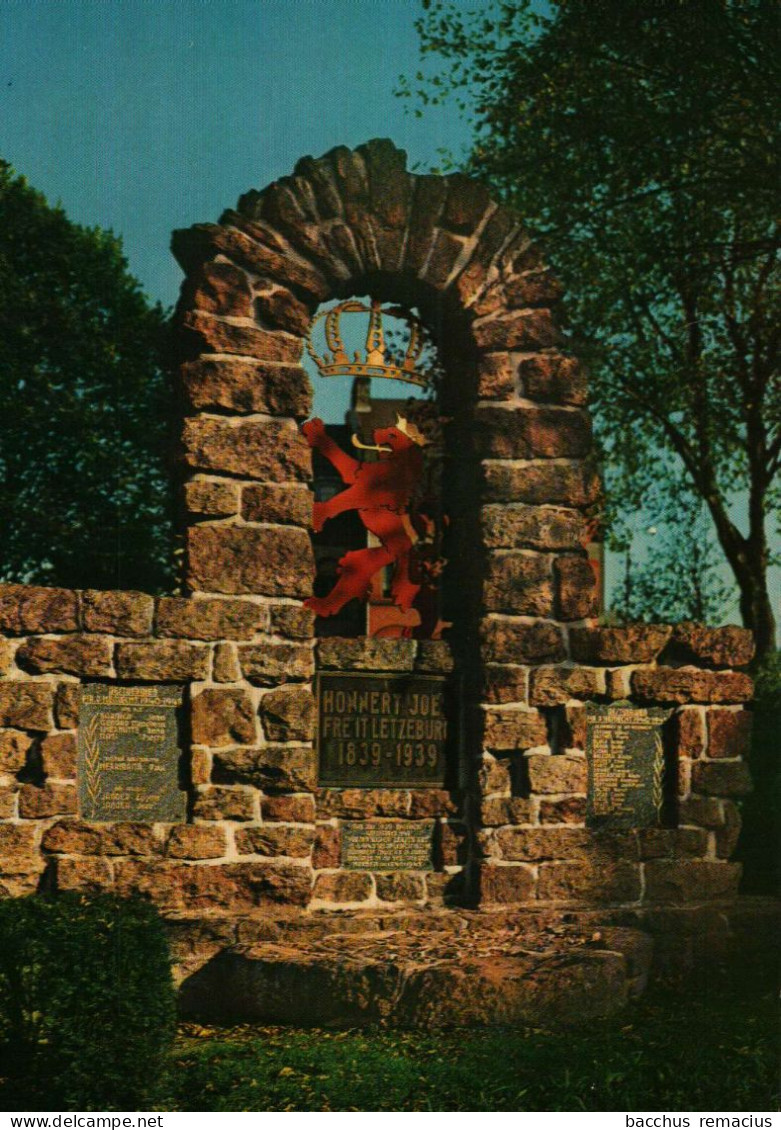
377 361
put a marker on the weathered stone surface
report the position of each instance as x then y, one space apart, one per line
728 833
288 505
400 887
729 733
530 845
89 875
26 705
14 745
432 802
508 884
288 714
434 656
8 795
573 729
178 617
285 768
528 433
272 561
690 880
328 847
551 686
428 200
493 776
672 843
247 386
513 729
71 655
617 683
554 379
58 756
532 527
513 641
688 684
352 804
729 646
225 664
66 705
279 309
539 483
576 588
527 331
365 654
706 811
17 845
534 288
495 811
556 773
79 838
207 333
235 887
196 841
443 258
270 663
29 608
497 373
690 732
225 804
171 660
467 202
594 881
519 583
505 684
211 498
117 613
251 449
293 809
275 839
222 717
342 887
293 621
220 288
721 778
635 643
5 657
569 810
53 799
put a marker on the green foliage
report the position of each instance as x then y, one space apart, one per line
86 1000
641 143
85 407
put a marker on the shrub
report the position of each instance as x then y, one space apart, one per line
87 1006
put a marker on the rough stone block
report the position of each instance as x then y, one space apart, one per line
573 727
519 583
576 588
247 386
342 887
729 646
554 379
30 608
292 621
88 875
26 705
690 732
117 613
467 202
365 654
556 773
288 714
207 333
53 799
729 733
251 449
594 881
17 845
635 643
225 804
682 881
526 331
500 885
179 617
272 561
568 810
211 498
222 717
535 288
532 527
271 663
538 483
551 686
529 433
530 845
721 778
495 811
166 660
442 260
702 810
58 756
672 843
327 851
196 841
236 887
513 729
513 641
728 833
505 684
275 839
279 309
14 746
400 887
288 505
292 809
432 802
688 684
427 204
220 288
286 768
355 804
66 705
225 665
71 655
497 374
434 656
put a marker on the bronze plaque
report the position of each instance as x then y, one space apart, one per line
378 730
625 765
128 762
393 845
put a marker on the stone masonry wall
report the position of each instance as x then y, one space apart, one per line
260 834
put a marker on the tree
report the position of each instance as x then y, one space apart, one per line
84 406
640 143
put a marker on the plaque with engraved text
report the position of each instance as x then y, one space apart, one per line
393 845
128 759
625 765
378 730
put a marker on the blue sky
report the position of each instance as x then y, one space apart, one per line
147 115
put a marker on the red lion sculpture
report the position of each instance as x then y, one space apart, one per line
381 493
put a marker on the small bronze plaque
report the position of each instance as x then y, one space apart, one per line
625 765
378 730
393 845
128 762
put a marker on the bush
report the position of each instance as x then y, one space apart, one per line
87 1005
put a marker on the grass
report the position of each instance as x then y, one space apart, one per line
671 1051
